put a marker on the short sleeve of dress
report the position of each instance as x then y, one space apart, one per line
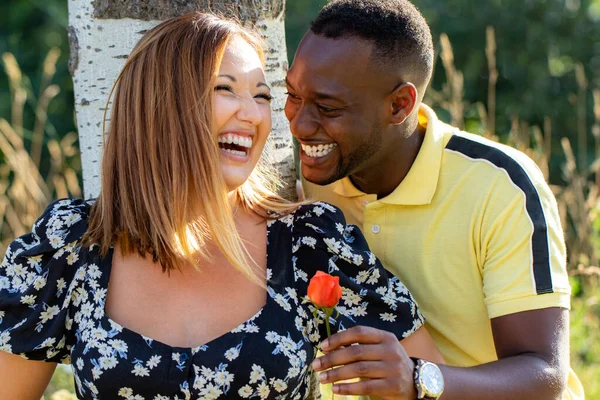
35 284
372 296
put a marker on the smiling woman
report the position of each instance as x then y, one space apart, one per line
241 113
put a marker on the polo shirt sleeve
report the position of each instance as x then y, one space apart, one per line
523 250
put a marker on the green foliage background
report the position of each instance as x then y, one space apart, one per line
28 29
539 45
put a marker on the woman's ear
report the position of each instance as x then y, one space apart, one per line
403 102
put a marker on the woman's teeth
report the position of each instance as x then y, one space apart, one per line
235 144
318 151
242 141
235 152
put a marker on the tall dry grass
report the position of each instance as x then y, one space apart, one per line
34 168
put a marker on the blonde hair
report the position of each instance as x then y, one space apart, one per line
162 192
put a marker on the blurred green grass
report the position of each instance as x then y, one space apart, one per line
585 338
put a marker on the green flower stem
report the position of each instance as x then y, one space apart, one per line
328 312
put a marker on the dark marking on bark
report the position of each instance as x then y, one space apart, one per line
122 56
245 10
278 83
85 102
74 50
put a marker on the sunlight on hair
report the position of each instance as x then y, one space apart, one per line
193 242
162 192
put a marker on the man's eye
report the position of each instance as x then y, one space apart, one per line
293 96
223 87
327 109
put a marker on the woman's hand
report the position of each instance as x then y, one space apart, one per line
364 352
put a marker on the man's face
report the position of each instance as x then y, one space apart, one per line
336 107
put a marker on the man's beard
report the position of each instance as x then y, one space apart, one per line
352 163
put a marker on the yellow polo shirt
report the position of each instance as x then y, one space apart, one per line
473 231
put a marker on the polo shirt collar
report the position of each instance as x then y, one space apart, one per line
419 185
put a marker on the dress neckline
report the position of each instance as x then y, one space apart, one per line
106 267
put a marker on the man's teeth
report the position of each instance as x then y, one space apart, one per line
238 140
318 151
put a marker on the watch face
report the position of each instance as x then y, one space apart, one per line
432 379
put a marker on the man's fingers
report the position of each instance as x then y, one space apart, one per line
363 388
349 355
361 369
356 334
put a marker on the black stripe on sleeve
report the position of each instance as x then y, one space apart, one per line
540 250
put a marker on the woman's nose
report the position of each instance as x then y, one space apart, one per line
250 111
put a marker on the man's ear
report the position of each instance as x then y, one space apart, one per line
403 102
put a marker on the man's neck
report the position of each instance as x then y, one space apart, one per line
386 175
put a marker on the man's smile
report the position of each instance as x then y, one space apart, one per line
318 151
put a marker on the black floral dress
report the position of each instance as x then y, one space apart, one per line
52 294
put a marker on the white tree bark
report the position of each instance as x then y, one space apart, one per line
102 33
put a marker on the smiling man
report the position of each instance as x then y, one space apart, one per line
468 224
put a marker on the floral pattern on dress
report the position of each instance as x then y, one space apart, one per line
53 291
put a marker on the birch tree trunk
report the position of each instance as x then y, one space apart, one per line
102 33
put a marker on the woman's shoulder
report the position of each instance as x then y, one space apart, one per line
53 245
64 221
36 279
322 241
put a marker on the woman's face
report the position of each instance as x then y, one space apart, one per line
242 111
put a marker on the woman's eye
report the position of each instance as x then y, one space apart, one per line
265 96
223 87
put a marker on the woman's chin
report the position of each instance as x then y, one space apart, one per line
234 181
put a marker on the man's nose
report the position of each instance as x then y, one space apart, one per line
303 123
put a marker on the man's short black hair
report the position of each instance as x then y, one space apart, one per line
399 32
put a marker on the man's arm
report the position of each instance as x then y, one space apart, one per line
532 347
533 352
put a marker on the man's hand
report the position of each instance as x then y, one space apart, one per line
364 352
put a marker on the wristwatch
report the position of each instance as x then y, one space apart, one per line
429 380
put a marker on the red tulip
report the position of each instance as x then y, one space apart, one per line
324 290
